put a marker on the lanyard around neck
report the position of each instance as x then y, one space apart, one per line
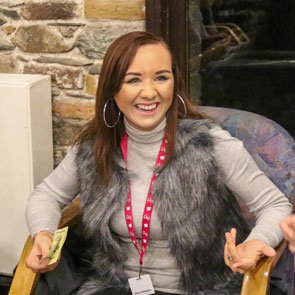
148 208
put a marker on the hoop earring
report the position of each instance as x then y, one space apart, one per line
184 106
104 115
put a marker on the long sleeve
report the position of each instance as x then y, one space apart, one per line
247 182
44 206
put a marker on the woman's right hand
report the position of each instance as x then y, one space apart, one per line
37 259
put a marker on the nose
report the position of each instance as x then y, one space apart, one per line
148 90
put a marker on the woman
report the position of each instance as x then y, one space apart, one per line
155 187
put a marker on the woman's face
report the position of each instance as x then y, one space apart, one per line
147 90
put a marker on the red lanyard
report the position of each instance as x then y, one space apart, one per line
148 208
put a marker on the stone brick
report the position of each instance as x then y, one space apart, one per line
4 44
8 30
13 14
34 10
91 84
115 9
59 152
71 108
23 58
39 39
55 91
68 31
65 131
79 94
77 61
2 21
8 64
95 39
11 3
95 69
64 77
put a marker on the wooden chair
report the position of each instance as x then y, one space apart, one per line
273 150
24 280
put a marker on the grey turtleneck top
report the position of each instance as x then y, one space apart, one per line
241 175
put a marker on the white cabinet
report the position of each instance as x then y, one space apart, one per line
26 155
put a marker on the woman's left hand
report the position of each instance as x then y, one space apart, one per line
243 257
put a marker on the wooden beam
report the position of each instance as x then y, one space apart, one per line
167 18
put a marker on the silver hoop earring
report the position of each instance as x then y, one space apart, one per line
104 115
184 106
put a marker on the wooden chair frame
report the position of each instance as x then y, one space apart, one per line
24 280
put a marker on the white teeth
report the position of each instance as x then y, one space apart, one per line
147 107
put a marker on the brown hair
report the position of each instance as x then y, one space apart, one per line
117 60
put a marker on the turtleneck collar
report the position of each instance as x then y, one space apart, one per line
151 136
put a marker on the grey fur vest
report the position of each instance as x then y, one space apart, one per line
196 210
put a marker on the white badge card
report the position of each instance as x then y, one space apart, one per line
142 285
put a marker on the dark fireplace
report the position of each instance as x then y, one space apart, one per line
259 75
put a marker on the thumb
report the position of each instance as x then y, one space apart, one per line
268 251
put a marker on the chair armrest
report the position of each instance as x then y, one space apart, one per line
24 280
257 281
71 214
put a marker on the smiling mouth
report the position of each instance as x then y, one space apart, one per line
147 108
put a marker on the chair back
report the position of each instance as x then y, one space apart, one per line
273 149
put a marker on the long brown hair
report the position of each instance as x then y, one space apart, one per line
117 60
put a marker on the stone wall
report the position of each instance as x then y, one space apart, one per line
67 40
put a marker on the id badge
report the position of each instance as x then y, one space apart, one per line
142 285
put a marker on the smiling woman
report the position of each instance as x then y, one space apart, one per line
128 55
147 90
156 187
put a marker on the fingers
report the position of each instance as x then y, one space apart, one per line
229 261
49 267
37 259
231 256
245 255
38 264
268 251
42 268
35 262
231 245
288 228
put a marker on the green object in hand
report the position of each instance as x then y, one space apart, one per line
59 239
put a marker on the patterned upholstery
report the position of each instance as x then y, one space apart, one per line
273 149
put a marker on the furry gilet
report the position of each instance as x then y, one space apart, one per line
196 209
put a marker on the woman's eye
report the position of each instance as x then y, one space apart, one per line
133 81
162 78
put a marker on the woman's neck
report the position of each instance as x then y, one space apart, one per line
150 136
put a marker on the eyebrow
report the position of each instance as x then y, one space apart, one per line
157 73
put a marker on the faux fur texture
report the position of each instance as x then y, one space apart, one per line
196 210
